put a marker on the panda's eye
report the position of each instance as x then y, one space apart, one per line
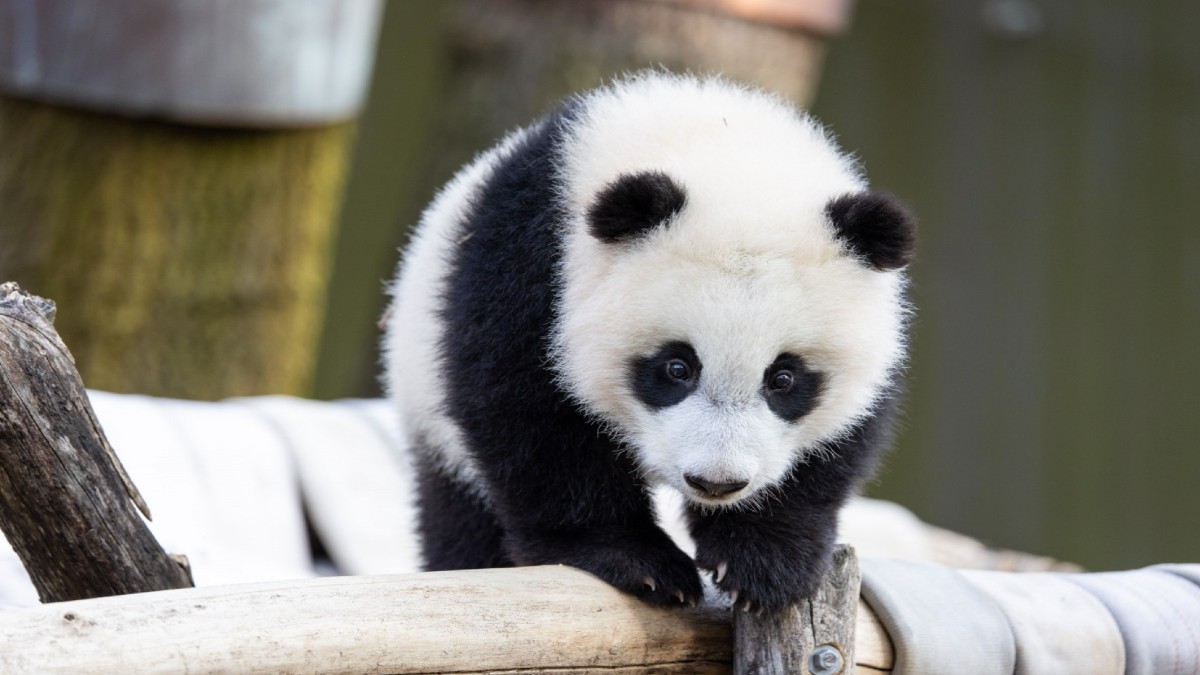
678 369
666 377
781 381
791 388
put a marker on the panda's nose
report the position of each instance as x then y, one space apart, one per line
714 489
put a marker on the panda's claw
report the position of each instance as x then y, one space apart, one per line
752 564
648 581
679 594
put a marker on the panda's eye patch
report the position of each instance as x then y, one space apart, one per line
791 388
667 376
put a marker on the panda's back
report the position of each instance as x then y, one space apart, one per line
470 276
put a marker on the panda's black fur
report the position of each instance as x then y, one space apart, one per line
553 482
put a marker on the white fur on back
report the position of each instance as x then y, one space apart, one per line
413 363
749 269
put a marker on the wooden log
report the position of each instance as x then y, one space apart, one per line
533 619
184 217
511 60
815 636
66 504
193 261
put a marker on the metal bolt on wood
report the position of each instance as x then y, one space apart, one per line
826 660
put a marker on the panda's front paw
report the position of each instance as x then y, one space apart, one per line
765 579
762 571
644 563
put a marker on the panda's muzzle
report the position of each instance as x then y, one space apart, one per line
714 489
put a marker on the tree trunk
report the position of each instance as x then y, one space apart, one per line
190 262
66 504
510 60
192 259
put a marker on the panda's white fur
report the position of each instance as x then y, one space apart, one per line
412 330
748 270
753 266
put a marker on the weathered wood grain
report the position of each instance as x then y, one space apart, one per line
783 643
550 619
66 504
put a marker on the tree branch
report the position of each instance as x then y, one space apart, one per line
66 504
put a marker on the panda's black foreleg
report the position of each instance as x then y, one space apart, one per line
766 558
578 501
638 558
774 554
457 530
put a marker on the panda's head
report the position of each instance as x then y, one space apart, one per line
732 294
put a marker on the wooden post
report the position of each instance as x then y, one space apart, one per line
171 173
66 504
816 636
511 59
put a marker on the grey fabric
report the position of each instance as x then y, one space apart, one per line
1191 572
1059 627
938 622
1159 615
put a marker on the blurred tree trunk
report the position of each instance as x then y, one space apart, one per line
182 216
188 261
502 63
510 60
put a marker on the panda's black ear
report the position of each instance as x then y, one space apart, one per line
876 227
633 204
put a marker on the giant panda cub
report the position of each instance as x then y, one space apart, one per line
667 281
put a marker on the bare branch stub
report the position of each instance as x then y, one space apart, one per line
66 504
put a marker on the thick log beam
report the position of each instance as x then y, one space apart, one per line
66 504
551 619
